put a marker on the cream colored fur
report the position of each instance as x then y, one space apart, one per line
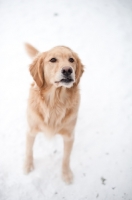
53 105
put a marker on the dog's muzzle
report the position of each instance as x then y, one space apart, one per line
67 75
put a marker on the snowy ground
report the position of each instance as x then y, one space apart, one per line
101 33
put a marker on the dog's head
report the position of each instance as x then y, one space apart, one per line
59 66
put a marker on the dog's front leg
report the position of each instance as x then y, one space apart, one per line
28 165
67 174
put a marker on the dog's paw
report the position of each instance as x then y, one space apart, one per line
28 167
67 176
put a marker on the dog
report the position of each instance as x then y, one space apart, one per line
54 100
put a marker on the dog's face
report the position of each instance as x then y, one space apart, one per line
59 67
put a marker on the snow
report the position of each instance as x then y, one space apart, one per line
101 33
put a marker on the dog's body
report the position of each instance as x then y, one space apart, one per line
53 100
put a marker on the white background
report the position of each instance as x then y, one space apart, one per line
100 31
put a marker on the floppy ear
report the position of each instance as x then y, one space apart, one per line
37 69
79 69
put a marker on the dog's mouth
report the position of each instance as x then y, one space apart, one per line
65 80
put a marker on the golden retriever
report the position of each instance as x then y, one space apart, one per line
53 100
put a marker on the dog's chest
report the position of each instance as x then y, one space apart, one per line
53 116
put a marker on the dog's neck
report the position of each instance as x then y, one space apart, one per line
51 94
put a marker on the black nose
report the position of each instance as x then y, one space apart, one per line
66 71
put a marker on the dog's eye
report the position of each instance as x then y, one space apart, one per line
71 60
53 60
